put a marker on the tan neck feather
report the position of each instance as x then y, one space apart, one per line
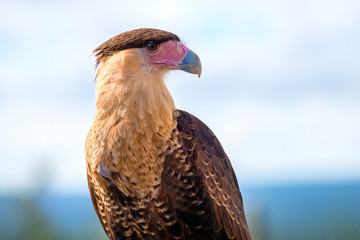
124 84
133 123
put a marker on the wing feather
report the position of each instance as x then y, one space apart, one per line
216 174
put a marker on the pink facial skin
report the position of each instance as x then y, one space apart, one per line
168 55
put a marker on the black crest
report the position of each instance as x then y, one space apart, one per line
132 39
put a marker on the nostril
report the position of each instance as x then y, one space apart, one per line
184 51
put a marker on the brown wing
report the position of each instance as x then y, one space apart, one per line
202 182
120 216
102 202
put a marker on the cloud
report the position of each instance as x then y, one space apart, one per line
314 138
279 87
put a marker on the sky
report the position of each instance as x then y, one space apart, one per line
280 85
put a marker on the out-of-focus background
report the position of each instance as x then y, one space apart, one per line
280 88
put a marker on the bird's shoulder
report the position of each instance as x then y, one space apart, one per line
203 181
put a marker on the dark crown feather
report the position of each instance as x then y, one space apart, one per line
137 38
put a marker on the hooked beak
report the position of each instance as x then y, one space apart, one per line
191 63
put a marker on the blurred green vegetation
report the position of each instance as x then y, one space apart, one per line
29 221
32 225
35 214
328 212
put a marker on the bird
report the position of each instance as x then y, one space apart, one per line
154 171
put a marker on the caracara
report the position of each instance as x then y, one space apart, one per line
156 172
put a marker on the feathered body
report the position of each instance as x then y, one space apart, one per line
155 172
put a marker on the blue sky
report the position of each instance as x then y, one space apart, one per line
280 84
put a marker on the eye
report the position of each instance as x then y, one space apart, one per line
152 47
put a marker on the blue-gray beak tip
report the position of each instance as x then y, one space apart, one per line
191 63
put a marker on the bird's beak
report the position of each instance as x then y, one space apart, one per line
191 63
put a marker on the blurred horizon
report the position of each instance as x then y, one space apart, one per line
312 212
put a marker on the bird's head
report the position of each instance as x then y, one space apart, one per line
152 50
